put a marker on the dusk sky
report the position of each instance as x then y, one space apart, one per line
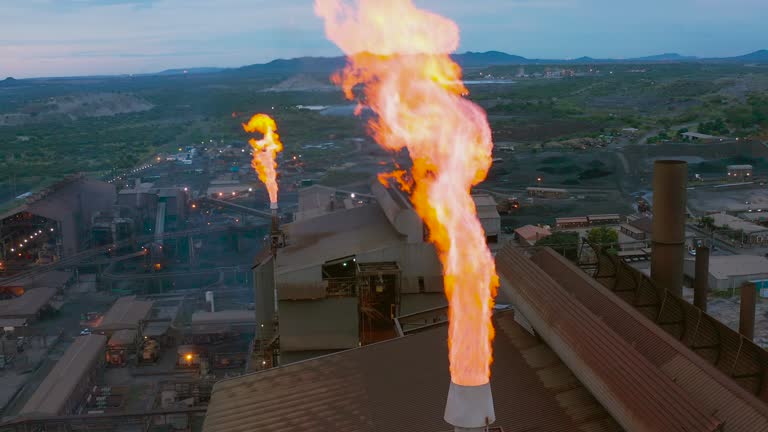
87 37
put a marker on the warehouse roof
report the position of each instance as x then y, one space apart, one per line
739 167
532 234
125 313
29 303
401 385
726 266
55 390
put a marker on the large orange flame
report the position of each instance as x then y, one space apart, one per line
265 151
400 55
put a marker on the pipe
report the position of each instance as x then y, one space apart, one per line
469 408
747 310
701 280
668 243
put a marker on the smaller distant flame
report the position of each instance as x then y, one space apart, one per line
265 151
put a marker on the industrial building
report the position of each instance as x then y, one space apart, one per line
589 333
29 306
731 271
528 235
740 173
750 233
120 345
66 385
489 217
347 270
571 222
153 209
542 192
237 320
59 216
127 313
633 231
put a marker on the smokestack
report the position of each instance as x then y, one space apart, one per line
668 245
701 279
209 300
275 220
747 310
469 408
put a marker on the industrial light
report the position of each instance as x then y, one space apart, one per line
189 357
352 196
13 250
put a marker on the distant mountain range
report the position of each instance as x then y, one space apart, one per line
468 59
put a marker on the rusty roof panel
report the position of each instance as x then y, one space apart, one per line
702 382
639 395
401 385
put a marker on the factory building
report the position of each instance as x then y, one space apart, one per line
127 313
528 235
489 217
63 390
59 216
29 306
571 222
749 233
740 173
345 273
542 192
144 202
545 373
731 271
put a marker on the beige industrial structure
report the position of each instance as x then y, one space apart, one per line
731 271
64 388
347 269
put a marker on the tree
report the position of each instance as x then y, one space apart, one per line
604 237
563 242
707 222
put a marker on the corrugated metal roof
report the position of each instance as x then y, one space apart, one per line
707 386
637 393
125 313
401 385
28 303
52 394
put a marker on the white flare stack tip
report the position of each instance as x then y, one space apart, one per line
469 408
273 207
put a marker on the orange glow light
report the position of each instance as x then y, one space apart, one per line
400 56
265 151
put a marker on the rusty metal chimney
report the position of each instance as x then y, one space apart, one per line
668 245
469 408
701 278
747 310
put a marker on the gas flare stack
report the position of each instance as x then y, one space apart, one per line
277 238
470 408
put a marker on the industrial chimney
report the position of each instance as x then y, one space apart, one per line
469 408
668 245
701 278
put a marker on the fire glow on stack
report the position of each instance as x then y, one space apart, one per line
400 55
